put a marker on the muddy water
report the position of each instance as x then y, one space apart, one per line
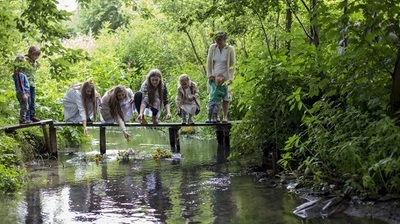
194 186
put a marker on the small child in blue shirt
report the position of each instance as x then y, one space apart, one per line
217 92
22 89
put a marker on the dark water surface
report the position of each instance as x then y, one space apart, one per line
195 186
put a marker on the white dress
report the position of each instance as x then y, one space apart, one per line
73 106
188 105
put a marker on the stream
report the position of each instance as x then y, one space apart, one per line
197 185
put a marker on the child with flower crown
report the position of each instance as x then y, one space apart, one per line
187 99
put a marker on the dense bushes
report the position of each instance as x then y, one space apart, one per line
12 174
312 92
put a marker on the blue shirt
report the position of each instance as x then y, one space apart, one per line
21 82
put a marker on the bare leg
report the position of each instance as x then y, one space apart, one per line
225 108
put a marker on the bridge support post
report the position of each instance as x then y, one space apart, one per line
46 138
53 141
223 135
174 139
102 140
222 154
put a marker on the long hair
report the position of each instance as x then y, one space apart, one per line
152 89
115 107
85 99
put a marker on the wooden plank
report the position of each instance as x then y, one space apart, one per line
99 124
19 126
222 132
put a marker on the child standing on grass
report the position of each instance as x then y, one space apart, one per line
22 89
217 92
32 56
187 99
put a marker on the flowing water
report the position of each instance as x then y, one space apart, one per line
196 185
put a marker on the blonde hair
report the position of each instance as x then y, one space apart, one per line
184 77
152 89
19 58
219 79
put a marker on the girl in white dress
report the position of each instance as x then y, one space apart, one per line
81 103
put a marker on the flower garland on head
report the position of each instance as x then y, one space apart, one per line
89 80
217 35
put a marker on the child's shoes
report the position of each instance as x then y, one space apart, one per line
35 119
142 121
25 122
155 120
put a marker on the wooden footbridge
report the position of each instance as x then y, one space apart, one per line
49 128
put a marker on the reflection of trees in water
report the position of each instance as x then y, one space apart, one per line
128 192
222 154
34 205
155 192
224 205
34 197
158 195
106 193
189 189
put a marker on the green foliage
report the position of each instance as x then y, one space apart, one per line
323 113
268 120
11 174
10 179
99 12
72 136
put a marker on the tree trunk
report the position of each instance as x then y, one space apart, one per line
195 51
314 19
289 22
395 90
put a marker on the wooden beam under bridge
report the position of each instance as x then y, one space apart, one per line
11 130
222 132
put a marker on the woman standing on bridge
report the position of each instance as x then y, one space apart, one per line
151 97
117 106
221 60
81 103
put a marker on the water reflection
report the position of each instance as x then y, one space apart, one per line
196 186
